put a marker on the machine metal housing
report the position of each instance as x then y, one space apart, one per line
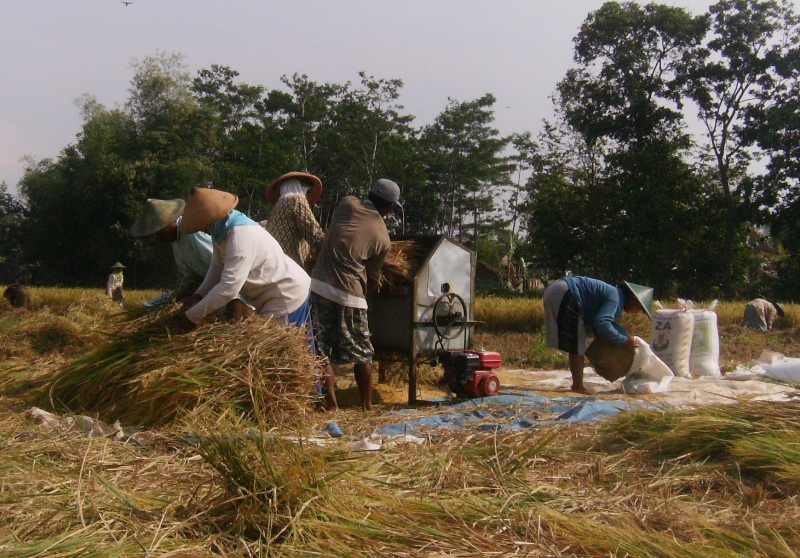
401 317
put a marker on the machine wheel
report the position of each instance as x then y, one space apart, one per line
449 316
490 385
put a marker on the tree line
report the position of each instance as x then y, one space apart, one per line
670 159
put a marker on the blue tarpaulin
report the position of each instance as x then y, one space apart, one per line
511 411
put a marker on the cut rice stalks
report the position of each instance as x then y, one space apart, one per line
403 261
148 376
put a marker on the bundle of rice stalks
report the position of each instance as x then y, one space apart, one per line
404 259
147 375
759 439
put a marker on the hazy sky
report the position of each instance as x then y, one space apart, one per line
53 51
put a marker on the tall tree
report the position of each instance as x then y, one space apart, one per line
777 131
614 214
249 149
82 203
464 164
740 69
12 217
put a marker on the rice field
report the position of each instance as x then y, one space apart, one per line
232 473
526 314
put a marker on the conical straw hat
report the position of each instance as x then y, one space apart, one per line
644 295
204 207
118 266
313 182
156 215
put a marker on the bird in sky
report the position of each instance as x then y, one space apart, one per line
127 3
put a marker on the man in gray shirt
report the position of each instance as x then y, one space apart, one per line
354 250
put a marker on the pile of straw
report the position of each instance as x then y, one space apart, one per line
756 440
404 259
145 374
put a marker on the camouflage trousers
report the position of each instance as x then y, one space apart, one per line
342 333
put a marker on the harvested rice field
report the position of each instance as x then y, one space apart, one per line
122 437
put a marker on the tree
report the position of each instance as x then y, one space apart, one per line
12 216
464 164
249 150
777 131
612 195
738 72
520 163
82 204
626 88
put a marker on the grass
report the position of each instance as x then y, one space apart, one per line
717 481
572 491
750 439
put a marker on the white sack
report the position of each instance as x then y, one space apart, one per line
648 373
704 359
671 339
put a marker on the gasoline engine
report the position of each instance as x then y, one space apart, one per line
468 373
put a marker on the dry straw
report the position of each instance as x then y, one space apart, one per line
403 261
755 439
147 375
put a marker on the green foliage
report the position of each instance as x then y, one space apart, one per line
613 195
464 165
82 204
12 218
747 63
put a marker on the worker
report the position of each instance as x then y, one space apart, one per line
291 222
192 252
19 296
573 305
759 314
246 259
114 284
354 250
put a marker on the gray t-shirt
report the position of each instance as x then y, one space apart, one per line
355 248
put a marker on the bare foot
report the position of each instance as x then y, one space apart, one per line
582 389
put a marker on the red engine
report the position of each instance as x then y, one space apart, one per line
469 373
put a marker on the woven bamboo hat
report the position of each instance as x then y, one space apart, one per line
644 295
118 266
156 215
204 207
314 187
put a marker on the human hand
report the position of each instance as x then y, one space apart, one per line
183 324
631 343
191 301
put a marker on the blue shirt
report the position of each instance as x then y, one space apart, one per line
192 253
601 305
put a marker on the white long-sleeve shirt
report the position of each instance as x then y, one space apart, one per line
250 261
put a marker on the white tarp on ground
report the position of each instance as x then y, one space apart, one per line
682 392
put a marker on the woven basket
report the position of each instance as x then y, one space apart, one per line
608 360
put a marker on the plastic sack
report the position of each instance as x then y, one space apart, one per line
671 338
648 374
779 367
704 358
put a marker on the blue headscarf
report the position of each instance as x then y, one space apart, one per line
219 230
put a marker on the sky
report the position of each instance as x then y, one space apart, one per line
53 51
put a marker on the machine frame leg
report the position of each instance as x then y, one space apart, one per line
412 378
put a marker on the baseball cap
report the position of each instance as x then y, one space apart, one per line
386 190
